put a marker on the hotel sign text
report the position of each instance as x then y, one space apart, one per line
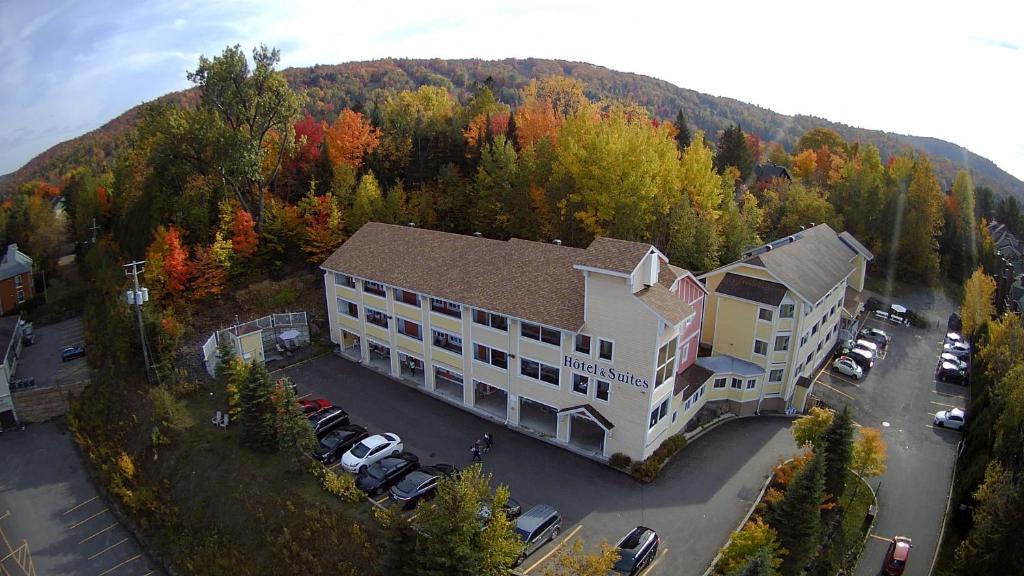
610 373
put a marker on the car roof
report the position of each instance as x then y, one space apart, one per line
535 516
848 359
902 551
955 412
328 413
636 538
859 351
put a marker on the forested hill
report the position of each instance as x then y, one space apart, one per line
330 88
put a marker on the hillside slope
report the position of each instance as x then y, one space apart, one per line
333 87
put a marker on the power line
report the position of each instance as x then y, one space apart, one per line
137 297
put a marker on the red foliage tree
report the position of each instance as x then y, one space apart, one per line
243 235
176 264
209 277
350 138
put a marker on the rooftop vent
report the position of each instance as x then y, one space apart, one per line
477 234
801 228
413 224
812 224
556 242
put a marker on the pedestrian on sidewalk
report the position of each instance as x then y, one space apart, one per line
475 449
488 441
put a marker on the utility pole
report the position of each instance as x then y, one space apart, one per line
94 228
136 297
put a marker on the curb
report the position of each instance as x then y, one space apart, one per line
874 519
945 514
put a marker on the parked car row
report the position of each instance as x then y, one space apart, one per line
952 365
856 357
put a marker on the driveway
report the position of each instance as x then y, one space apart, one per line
698 500
48 501
900 396
42 359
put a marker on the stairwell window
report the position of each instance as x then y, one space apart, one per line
541 334
781 343
604 349
786 311
764 314
760 347
666 362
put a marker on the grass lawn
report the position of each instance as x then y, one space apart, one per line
849 542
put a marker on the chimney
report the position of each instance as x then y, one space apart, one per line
651 268
812 224
556 242
477 235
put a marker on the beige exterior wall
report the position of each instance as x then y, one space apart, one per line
860 265
735 327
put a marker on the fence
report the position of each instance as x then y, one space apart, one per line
268 327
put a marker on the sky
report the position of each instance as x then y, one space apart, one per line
950 70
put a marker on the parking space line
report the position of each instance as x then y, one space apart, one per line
304 396
108 548
555 549
941 404
382 500
841 379
413 517
95 534
109 570
882 538
335 465
79 506
76 525
5 515
651 566
836 390
947 394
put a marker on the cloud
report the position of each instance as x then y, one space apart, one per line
997 43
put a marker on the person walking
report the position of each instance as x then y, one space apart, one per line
488 441
475 449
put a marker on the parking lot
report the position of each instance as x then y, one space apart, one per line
900 396
41 361
48 502
697 501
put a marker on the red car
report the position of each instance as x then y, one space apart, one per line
312 407
897 556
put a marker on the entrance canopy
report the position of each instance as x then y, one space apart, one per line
590 413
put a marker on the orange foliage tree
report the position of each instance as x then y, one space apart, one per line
210 275
350 138
243 235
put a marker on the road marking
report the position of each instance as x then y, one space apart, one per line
6 514
933 427
98 533
304 396
109 570
941 404
80 505
87 519
882 538
413 517
381 501
836 390
841 379
108 548
947 394
555 549
651 566
335 465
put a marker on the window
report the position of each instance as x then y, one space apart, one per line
446 340
781 343
580 384
445 307
583 344
344 280
541 334
820 345
776 375
538 371
666 362
374 316
21 296
799 368
751 383
764 314
410 298
18 282
814 329
809 357
659 412
348 308
689 402
760 347
737 383
374 288
803 339
786 311
496 358
604 350
409 328
719 383
496 321
603 390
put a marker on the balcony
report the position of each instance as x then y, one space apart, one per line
447 341
445 307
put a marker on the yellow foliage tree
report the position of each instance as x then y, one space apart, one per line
869 453
745 543
573 561
807 430
1005 346
979 301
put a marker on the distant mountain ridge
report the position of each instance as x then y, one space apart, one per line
330 88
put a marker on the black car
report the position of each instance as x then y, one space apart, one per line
421 484
329 420
384 473
950 372
875 335
954 324
864 358
636 551
512 508
338 441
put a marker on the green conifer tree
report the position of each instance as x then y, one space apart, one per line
682 131
259 412
797 517
838 445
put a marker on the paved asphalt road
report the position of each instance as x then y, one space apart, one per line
47 499
42 359
901 390
698 500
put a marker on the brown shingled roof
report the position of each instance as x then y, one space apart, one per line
620 256
529 280
665 303
753 289
691 379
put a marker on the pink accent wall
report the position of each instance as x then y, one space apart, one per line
689 291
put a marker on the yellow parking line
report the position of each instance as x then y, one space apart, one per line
947 394
841 379
87 519
882 538
97 533
836 390
413 517
109 570
382 499
651 566
941 404
335 465
555 549
108 548
5 515
80 505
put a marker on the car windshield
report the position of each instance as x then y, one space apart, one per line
411 482
523 534
379 471
360 450
626 562
330 441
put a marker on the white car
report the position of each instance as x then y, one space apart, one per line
845 365
867 345
947 357
950 419
952 337
958 349
370 450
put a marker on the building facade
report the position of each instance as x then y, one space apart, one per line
16 285
581 346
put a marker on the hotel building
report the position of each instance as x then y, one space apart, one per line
580 346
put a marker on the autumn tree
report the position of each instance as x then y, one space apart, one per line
366 204
797 518
282 230
963 193
244 238
1007 407
249 107
573 561
869 455
350 138
38 229
809 429
979 301
816 138
302 164
683 135
754 538
1004 347
323 231
209 273
419 135
992 547
167 266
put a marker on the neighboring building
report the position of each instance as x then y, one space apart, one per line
16 284
582 346
1006 243
773 317
765 173
10 346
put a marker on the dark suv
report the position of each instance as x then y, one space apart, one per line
421 484
338 441
328 420
636 551
385 472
